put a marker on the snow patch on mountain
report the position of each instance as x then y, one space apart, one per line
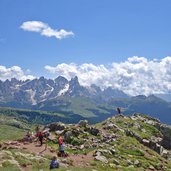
32 95
64 90
47 92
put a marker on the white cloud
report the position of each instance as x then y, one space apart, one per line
13 72
136 75
45 30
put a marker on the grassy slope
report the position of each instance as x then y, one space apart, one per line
127 148
10 133
81 106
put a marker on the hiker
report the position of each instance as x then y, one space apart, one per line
119 110
37 129
60 141
40 137
62 150
61 146
54 163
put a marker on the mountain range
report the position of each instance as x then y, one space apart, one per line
68 97
33 92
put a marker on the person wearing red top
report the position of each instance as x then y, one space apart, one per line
61 146
40 137
60 140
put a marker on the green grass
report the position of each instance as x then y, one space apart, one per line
9 167
128 123
10 133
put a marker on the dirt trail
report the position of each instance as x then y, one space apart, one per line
81 160
78 160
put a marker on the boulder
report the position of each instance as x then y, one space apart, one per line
83 123
133 134
165 154
94 131
68 135
56 126
166 131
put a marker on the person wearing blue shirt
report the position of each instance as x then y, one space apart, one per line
54 163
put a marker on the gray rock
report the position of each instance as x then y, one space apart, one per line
137 163
98 153
94 131
137 126
116 162
83 123
129 162
146 142
151 167
165 153
68 135
103 159
113 151
56 126
59 132
166 131
82 147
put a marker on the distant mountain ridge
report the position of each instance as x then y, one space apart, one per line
32 92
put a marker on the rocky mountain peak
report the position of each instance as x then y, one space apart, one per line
60 80
42 78
74 81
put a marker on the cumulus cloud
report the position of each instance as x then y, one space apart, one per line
13 72
136 75
45 30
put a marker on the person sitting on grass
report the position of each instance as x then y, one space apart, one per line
54 163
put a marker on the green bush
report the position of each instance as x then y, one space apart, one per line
76 141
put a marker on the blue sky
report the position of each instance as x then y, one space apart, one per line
105 31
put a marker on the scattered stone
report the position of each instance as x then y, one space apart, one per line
112 165
129 162
116 162
145 142
103 159
94 131
113 151
151 167
82 147
137 163
137 126
59 132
